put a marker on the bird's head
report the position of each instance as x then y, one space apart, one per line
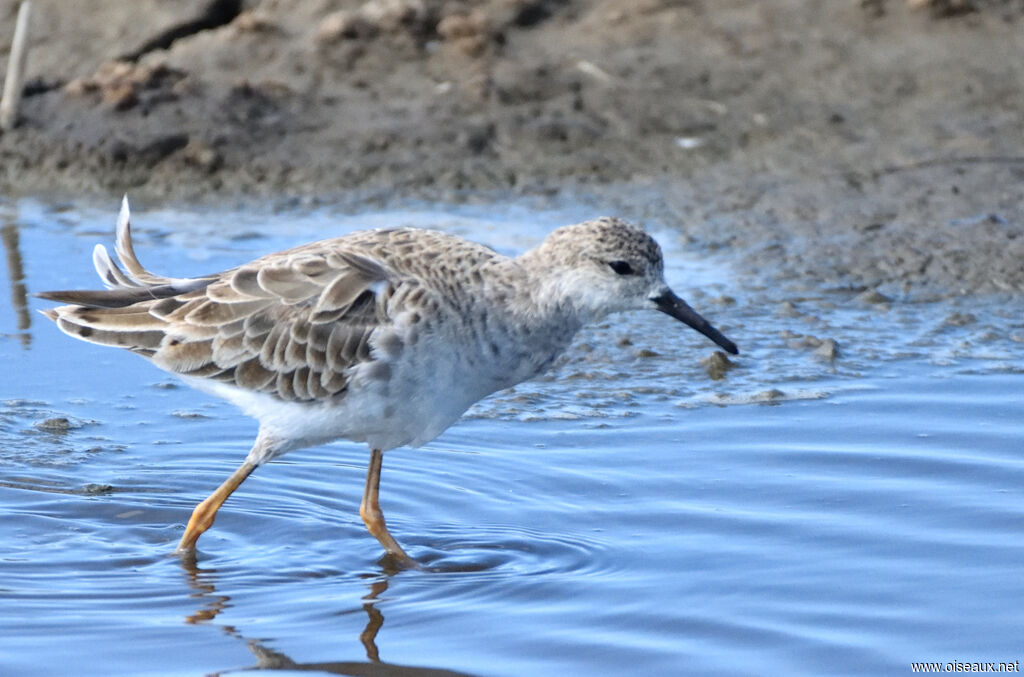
606 265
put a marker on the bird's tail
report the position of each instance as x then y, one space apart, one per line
118 315
124 288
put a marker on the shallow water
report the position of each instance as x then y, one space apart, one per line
625 514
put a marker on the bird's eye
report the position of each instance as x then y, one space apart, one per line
621 267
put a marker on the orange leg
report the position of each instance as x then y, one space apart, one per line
372 515
205 512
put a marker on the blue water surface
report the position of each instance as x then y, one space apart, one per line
626 514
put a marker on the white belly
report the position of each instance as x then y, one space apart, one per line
420 397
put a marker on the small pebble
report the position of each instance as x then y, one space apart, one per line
828 350
787 309
960 319
772 395
873 297
54 425
717 364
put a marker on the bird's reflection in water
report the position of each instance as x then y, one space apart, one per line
202 582
273 660
204 589
375 619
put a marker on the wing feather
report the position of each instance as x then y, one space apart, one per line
266 317
184 357
292 324
287 284
245 281
252 376
229 351
212 313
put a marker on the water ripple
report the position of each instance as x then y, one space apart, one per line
508 551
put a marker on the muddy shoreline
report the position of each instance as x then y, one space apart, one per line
860 144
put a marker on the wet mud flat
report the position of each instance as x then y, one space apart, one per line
871 143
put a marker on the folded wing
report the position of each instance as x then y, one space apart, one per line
291 324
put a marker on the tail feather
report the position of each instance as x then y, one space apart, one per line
132 340
124 288
120 315
113 319
126 251
122 296
135 274
108 271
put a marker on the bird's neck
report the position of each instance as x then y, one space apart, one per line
543 296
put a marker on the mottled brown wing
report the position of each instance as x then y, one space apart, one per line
291 324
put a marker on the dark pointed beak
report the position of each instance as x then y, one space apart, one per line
670 304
